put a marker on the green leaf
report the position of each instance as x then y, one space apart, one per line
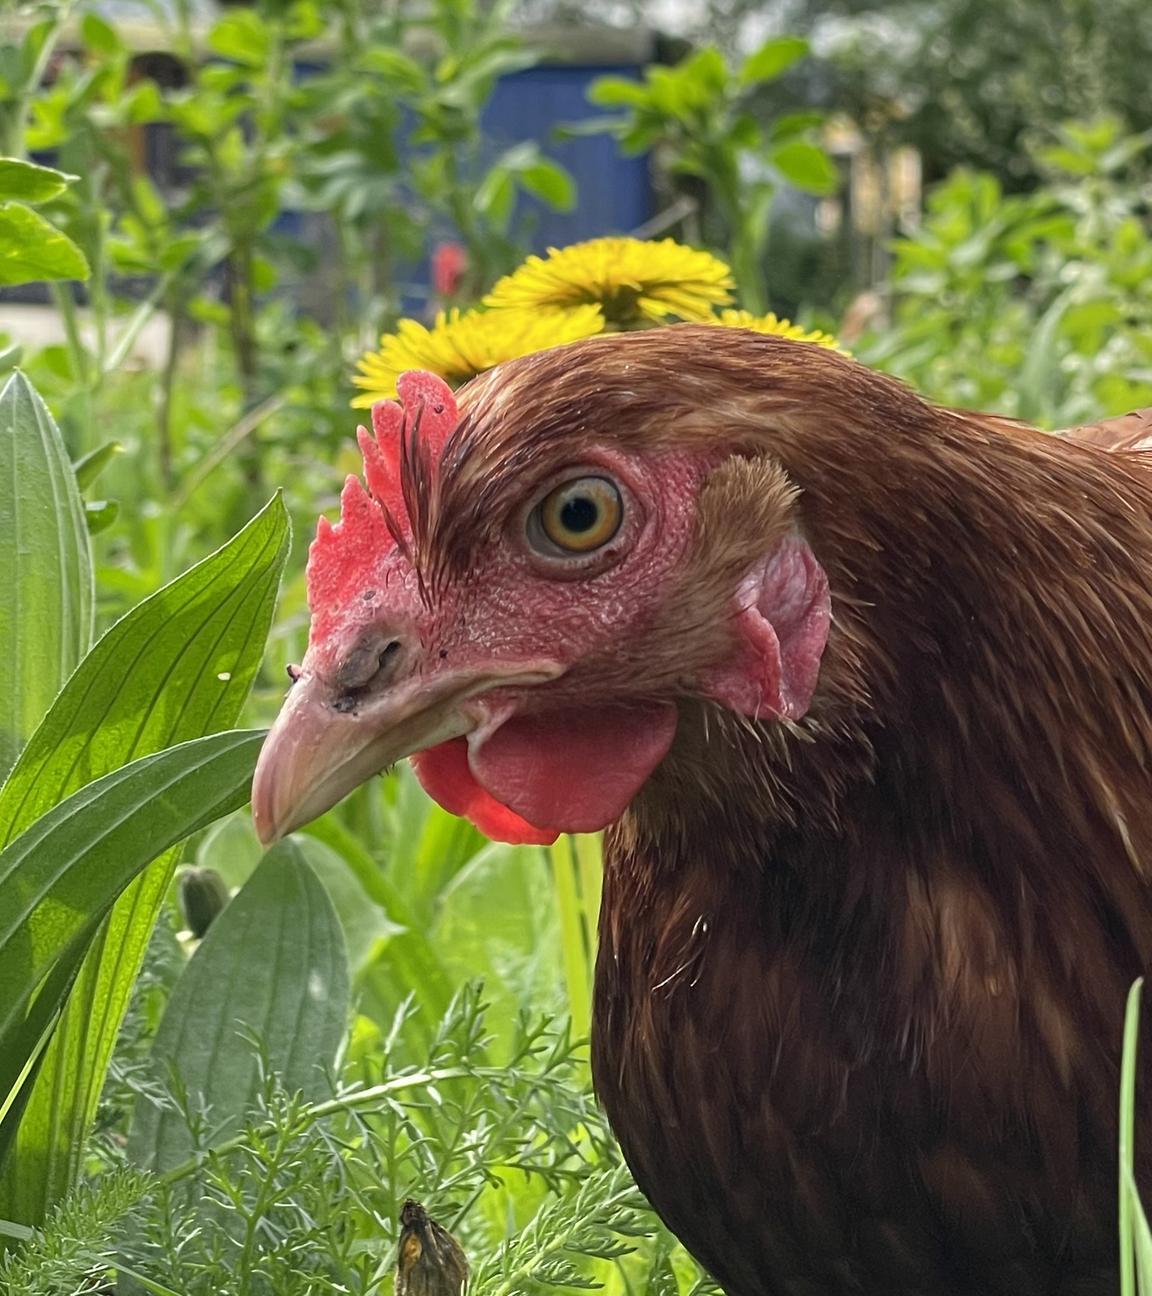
401 74
32 250
617 92
177 666
495 196
30 183
551 183
100 514
772 59
45 565
242 36
1041 379
100 36
806 166
90 466
272 965
61 877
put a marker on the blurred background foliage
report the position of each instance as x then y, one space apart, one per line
245 197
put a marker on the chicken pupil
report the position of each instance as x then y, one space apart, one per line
579 514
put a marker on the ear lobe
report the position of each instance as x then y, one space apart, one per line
782 615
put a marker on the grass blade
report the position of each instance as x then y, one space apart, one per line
1129 1198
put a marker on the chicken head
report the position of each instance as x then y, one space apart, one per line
521 591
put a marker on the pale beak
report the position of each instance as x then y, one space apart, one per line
324 744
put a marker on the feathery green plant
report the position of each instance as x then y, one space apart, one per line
75 1249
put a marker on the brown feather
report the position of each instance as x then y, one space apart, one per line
861 979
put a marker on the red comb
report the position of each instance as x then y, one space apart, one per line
373 521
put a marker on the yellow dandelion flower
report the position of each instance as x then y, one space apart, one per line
461 345
632 281
776 327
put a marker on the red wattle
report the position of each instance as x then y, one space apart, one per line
444 774
537 775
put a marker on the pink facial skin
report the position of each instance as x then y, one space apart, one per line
569 749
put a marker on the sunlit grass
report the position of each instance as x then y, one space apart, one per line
1135 1236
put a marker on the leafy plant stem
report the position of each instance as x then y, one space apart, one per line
17 117
333 1106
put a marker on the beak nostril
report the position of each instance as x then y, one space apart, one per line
373 664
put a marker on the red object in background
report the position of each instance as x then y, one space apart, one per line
449 262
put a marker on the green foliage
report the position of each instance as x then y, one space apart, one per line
31 248
192 652
275 965
75 1250
45 565
966 82
701 115
514 1159
62 876
595 1222
1038 305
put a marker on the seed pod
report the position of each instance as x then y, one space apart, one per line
430 1261
203 894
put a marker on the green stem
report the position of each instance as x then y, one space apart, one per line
167 390
573 943
70 317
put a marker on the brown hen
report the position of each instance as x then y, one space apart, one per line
864 687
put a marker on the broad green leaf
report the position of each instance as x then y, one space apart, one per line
232 850
60 878
31 183
708 70
33 250
806 166
273 969
772 59
177 666
497 920
45 566
408 963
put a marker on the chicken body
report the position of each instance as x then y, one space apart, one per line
864 952
859 1010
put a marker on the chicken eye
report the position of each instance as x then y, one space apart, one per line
577 517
